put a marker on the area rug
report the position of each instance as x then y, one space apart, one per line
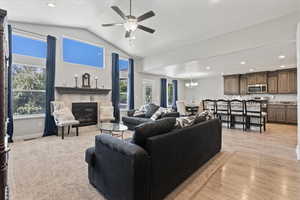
54 169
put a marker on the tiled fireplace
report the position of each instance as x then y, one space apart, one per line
86 113
83 104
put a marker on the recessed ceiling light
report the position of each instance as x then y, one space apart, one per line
215 1
208 68
251 70
243 62
282 66
51 4
281 57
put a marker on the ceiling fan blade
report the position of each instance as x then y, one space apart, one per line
114 24
144 28
146 16
127 34
119 11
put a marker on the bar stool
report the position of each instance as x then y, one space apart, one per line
255 115
237 112
223 111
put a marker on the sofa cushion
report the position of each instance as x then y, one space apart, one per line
150 109
135 120
153 128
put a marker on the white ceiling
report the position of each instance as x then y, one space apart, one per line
177 24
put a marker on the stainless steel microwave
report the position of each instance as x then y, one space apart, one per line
257 89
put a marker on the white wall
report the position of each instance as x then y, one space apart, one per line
208 88
298 97
140 77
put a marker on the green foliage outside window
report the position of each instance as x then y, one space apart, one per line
123 93
28 89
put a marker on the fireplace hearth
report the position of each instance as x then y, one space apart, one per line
86 113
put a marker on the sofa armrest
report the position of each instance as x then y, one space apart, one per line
130 113
171 114
90 156
124 168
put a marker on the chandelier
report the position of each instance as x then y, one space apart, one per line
191 84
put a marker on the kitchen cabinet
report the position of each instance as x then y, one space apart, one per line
287 81
292 84
257 78
278 82
251 79
291 114
232 84
243 84
282 113
261 78
272 82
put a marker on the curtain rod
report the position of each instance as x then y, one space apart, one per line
30 32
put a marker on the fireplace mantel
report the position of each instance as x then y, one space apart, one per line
73 90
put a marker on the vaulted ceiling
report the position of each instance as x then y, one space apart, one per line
178 24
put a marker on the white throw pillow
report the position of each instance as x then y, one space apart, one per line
157 114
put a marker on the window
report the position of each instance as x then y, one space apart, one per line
147 91
28 80
28 47
82 53
28 89
123 66
123 93
170 93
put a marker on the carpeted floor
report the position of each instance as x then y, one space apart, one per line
53 169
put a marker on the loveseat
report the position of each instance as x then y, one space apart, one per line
153 164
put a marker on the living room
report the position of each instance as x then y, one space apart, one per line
110 100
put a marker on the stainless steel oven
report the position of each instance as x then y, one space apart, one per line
257 89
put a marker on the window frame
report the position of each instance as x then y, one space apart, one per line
29 116
82 41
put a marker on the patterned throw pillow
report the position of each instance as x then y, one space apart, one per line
182 122
150 109
157 114
203 116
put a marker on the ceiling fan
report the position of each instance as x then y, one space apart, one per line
131 23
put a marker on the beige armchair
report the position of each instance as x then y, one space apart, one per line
106 112
63 117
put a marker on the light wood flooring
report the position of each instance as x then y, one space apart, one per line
251 166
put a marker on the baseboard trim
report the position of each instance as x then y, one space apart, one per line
298 151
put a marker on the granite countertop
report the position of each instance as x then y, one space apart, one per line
292 103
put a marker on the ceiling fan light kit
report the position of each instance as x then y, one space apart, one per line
131 23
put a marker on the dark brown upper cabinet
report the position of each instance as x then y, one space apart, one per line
257 78
243 84
231 84
287 81
272 82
